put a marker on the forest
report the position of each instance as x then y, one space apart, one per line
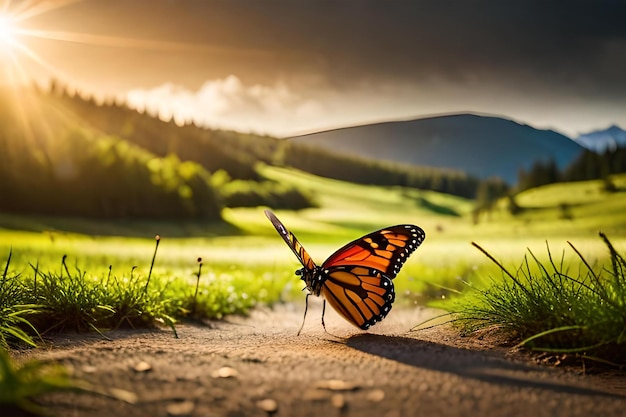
588 166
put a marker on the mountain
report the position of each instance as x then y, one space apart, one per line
601 140
483 146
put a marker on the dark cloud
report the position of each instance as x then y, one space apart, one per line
576 42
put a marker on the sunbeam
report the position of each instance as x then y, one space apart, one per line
7 31
32 8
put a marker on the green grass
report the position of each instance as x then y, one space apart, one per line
571 209
14 315
549 307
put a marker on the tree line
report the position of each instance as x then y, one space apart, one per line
588 166
363 171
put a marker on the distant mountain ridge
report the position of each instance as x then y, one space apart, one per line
483 146
601 140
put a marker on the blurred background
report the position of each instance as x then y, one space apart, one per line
486 121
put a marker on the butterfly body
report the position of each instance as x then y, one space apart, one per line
356 280
313 279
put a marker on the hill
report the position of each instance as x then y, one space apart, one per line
601 140
482 146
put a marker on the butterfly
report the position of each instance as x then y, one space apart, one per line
356 280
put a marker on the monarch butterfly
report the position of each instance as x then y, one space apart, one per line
357 279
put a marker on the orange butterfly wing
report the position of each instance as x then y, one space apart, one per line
385 250
363 296
358 283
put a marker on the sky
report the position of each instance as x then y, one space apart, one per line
284 67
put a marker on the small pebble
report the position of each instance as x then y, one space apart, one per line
268 405
183 408
123 395
89 369
337 385
143 366
225 372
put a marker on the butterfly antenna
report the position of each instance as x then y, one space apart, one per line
306 307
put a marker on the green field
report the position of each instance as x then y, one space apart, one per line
248 248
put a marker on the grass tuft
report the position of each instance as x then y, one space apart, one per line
21 384
75 301
550 309
70 301
224 294
13 312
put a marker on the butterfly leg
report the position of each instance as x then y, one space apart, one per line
324 311
324 324
306 308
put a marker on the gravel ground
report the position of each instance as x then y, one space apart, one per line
258 366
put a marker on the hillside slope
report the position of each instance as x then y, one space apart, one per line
480 145
54 163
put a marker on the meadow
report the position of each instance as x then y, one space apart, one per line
245 263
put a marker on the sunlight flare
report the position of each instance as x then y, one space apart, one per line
8 30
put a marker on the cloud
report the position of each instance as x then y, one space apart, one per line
230 104
289 109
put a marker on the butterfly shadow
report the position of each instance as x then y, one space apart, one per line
478 365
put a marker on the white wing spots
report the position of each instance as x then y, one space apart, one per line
385 307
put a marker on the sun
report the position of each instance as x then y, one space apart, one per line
8 32
16 56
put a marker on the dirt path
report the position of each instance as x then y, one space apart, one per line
384 373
